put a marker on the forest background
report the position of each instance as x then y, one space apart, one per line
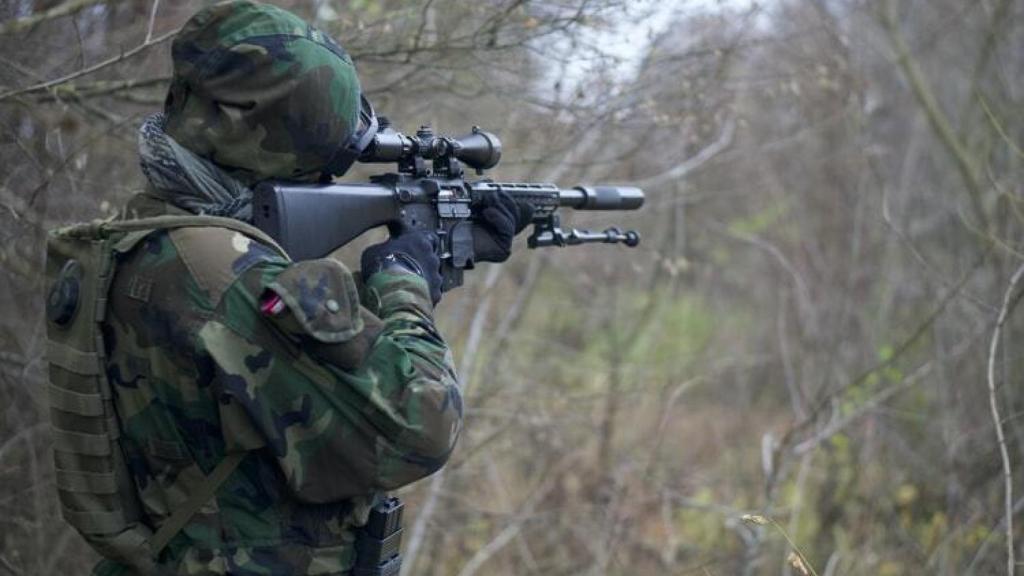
819 329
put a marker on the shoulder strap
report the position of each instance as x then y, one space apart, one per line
204 492
135 229
191 221
206 489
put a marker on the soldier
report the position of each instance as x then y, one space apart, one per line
329 387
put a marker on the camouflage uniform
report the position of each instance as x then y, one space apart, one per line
346 392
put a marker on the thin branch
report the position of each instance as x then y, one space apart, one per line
936 117
152 20
66 9
987 542
877 400
6 564
999 127
94 68
81 91
476 331
1009 303
696 161
526 509
898 352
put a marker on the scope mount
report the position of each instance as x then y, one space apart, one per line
448 155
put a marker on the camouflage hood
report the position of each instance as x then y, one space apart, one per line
261 93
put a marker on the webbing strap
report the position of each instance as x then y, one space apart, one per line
87 482
76 402
130 239
146 225
204 492
95 522
72 359
80 443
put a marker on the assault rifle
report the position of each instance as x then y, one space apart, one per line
312 220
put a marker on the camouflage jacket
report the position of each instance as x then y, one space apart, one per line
347 391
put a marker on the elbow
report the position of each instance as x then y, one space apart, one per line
436 447
424 447
430 447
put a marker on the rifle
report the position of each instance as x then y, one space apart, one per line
312 220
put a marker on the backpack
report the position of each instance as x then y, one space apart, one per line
97 494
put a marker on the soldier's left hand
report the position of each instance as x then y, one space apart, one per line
497 218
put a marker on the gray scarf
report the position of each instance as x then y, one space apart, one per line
187 180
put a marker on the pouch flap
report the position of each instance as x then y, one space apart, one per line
322 297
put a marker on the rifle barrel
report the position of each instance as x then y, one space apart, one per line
601 198
578 198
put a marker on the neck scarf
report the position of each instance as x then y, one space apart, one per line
187 180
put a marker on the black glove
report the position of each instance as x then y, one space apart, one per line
413 251
497 218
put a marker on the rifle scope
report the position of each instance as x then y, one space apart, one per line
479 149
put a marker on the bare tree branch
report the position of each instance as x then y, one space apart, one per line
152 20
91 69
936 117
684 168
1009 303
66 9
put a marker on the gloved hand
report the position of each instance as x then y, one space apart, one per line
413 251
497 218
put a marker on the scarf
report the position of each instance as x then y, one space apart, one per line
187 180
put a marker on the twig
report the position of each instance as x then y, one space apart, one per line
999 127
902 348
839 424
419 528
987 541
696 161
526 509
8 566
1009 303
152 20
76 91
95 67
478 324
936 117
760 520
66 9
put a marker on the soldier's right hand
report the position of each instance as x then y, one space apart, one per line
409 251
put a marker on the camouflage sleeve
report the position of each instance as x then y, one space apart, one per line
349 399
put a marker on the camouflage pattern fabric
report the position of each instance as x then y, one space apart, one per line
260 92
347 392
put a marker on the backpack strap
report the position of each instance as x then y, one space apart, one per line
135 231
132 232
204 492
146 225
